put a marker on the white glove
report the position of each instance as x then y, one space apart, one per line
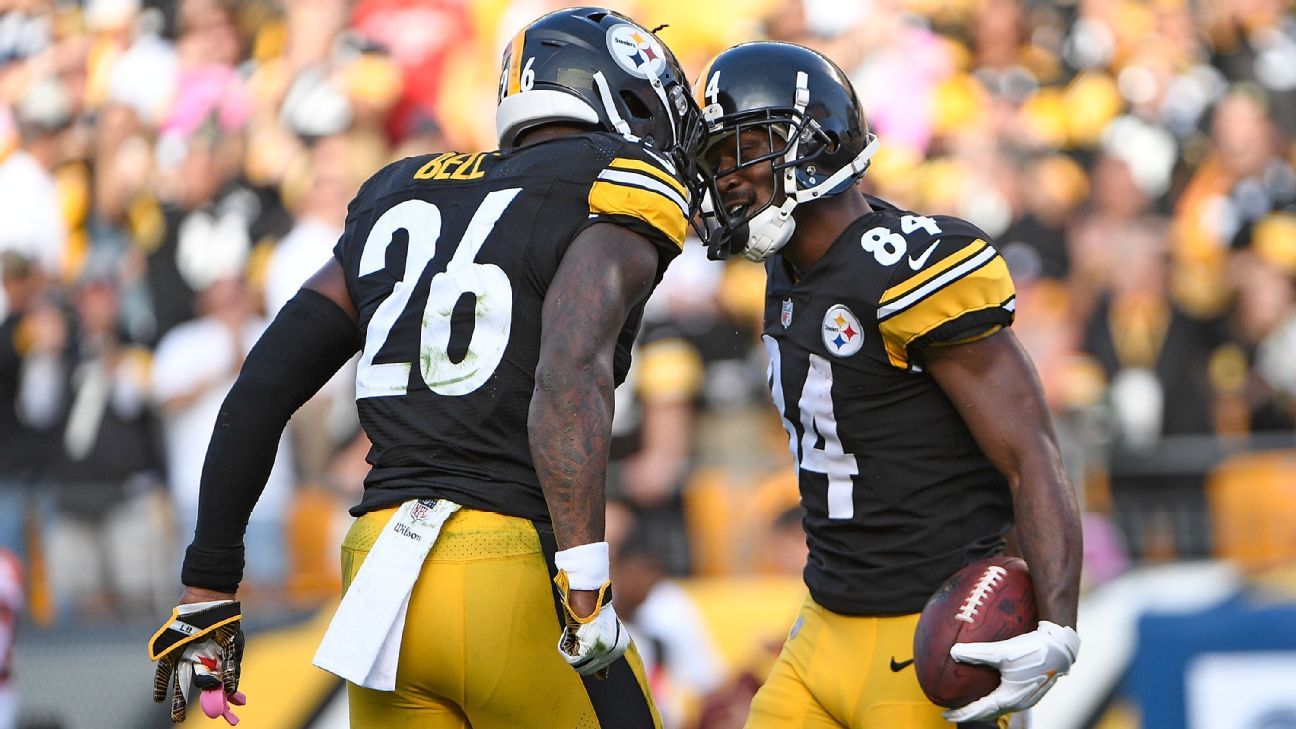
1028 665
592 643
201 645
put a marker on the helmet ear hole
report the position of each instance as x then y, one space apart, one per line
635 105
834 141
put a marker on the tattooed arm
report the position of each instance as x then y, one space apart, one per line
604 274
993 385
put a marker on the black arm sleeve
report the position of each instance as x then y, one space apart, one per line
301 349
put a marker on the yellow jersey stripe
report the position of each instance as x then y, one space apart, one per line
515 63
935 270
987 287
653 208
638 179
895 306
638 165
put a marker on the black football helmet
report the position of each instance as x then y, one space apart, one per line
598 67
819 142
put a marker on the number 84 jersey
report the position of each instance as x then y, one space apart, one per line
898 495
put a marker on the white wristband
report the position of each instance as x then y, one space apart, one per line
194 607
586 566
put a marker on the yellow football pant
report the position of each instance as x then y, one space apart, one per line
837 671
481 635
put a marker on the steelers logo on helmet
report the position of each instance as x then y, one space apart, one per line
842 334
635 50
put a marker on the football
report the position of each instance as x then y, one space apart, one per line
990 599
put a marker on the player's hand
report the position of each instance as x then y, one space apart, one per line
201 644
593 637
1028 664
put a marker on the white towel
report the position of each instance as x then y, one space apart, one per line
362 643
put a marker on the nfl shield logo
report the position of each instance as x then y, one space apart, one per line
786 317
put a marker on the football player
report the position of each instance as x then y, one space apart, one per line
914 416
493 297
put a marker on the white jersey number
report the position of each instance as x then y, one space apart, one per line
493 311
887 246
817 420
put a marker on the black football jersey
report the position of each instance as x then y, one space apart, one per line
448 258
898 495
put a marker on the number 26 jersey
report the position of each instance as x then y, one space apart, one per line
898 495
448 258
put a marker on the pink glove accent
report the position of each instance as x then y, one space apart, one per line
215 703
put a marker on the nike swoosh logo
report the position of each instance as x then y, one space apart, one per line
920 261
898 666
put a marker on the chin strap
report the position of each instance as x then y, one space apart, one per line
802 99
605 93
659 88
854 169
772 228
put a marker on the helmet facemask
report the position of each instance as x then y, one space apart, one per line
685 149
795 140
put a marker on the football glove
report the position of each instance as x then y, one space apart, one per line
201 644
1028 665
592 643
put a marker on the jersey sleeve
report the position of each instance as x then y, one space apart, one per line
960 296
639 190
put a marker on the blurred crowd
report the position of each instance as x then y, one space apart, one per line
170 172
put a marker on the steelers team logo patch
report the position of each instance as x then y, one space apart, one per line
842 334
635 50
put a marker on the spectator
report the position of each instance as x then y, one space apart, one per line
1095 245
1051 188
679 659
327 186
1208 216
29 202
420 56
1154 355
104 544
1260 369
32 336
693 358
198 236
193 369
784 550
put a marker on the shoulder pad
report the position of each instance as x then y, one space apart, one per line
952 226
638 183
383 181
953 280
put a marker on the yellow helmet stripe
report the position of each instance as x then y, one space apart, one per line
699 87
515 63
